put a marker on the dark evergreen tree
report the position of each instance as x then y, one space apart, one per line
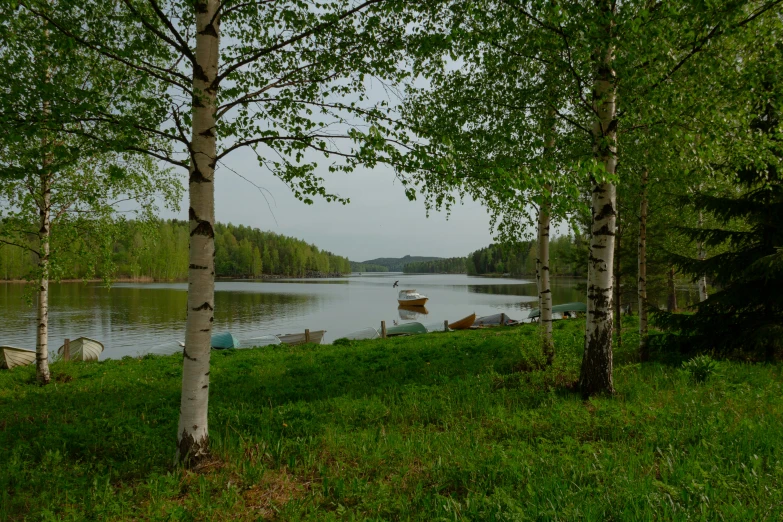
746 313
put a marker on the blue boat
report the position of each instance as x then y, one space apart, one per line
223 341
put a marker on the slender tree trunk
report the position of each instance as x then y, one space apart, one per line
193 433
672 291
644 354
616 298
544 288
702 256
44 232
596 372
42 338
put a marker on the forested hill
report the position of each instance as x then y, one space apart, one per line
365 267
160 252
397 264
452 265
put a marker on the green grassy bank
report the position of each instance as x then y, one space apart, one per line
438 427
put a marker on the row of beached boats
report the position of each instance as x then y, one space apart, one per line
563 311
86 349
81 349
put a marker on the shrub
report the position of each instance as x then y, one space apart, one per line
700 367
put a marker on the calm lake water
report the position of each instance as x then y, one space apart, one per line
131 319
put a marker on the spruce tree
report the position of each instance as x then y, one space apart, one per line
745 315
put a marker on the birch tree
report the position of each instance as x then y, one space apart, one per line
58 186
286 80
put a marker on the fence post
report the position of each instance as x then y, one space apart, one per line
383 329
307 335
502 319
67 350
446 325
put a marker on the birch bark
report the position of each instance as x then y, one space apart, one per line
42 335
544 288
672 291
42 373
596 372
644 354
193 434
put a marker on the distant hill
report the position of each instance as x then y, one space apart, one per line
397 264
366 267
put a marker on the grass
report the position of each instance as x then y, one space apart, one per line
457 426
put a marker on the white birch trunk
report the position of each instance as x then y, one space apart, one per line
644 354
544 288
42 334
42 373
702 255
193 433
596 373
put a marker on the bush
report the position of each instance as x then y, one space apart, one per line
700 368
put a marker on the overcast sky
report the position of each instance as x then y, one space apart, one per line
379 221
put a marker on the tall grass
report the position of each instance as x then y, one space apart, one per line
450 426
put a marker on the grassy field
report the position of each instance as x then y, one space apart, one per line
449 426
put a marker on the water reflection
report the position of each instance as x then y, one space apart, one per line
412 313
133 318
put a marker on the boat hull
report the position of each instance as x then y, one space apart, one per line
413 302
463 324
299 338
11 357
83 349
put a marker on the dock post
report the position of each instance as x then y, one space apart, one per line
502 319
383 329
307 335
67 350
446 325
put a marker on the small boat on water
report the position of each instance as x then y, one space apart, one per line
568 308
463 324
494 320
411 298
11 357
299 338
406 329
83 349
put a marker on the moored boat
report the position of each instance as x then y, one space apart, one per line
11 357
300 338
367 333
224 340
406 329
256 342
494 320
83 349
411 298
463 324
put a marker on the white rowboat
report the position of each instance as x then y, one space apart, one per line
83 349
10 357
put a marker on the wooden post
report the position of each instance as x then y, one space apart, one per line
446 326
307 335
383 329
67 350
502 319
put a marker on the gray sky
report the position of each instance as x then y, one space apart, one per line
379 221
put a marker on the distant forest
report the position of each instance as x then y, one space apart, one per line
396 264
566 258
160 252
367 267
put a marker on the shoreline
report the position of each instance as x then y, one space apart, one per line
309 275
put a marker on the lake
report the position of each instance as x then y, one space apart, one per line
132 318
